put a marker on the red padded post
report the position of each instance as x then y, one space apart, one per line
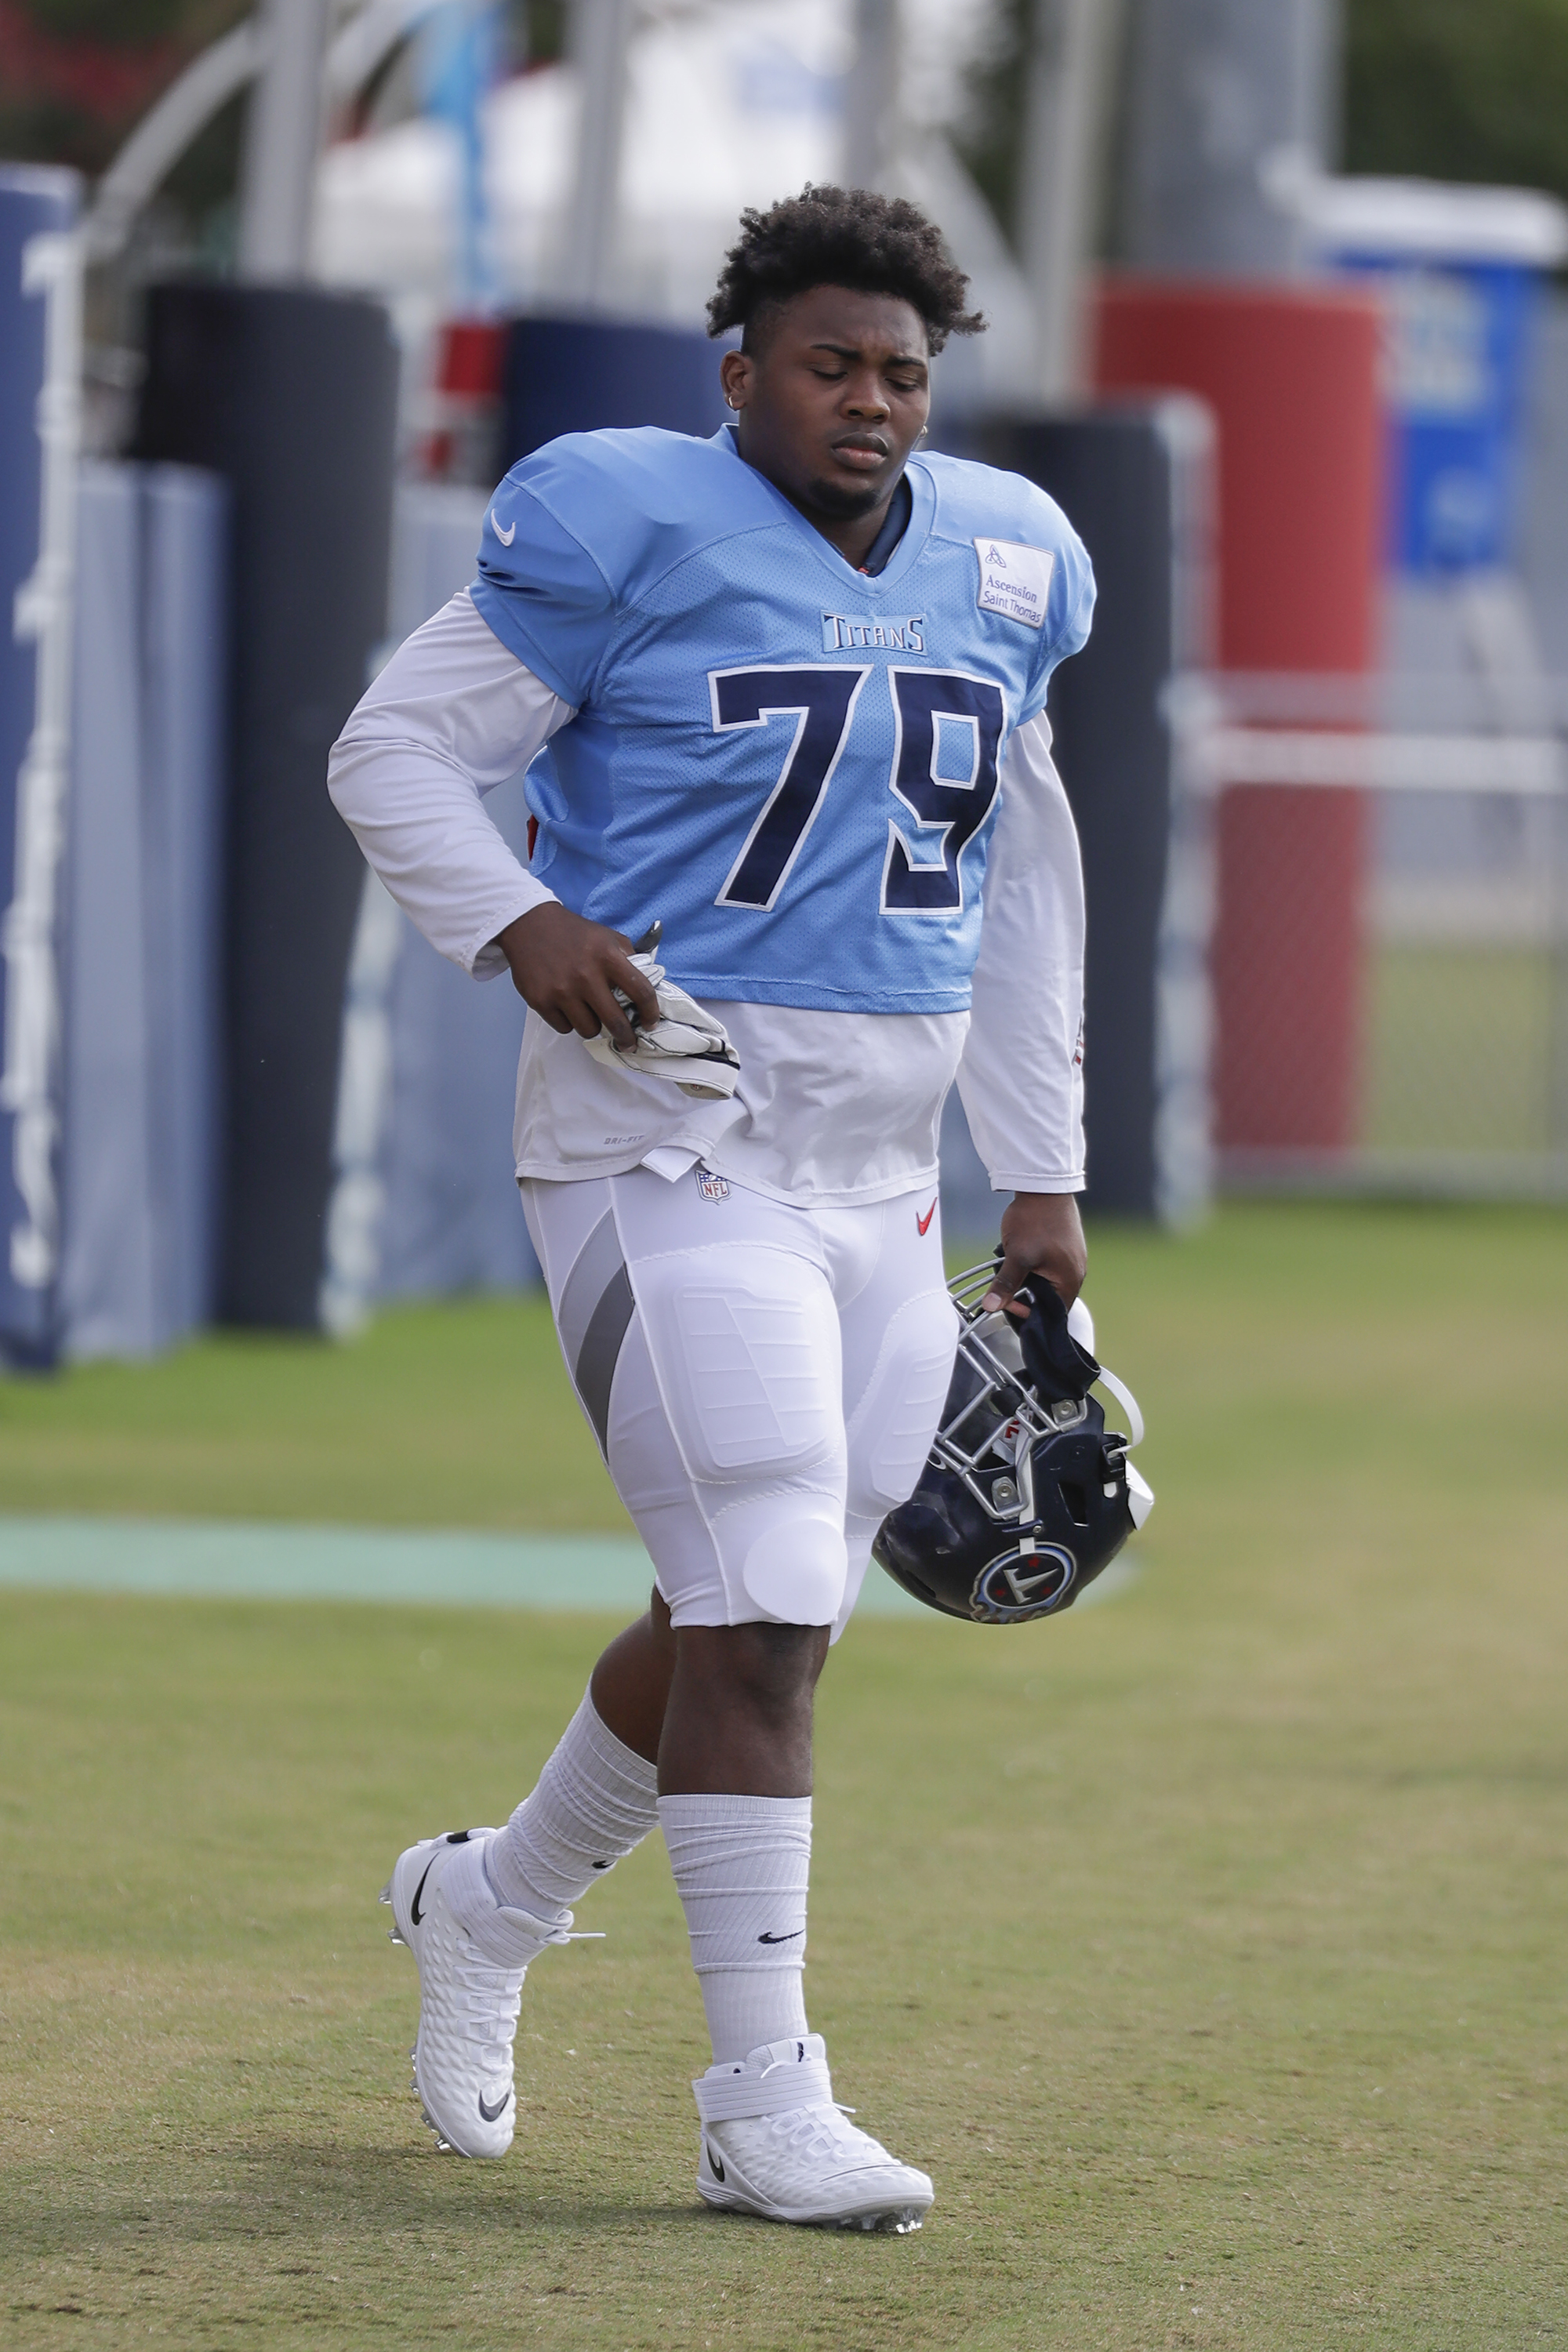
1292 376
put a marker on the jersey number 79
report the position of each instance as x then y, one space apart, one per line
821 699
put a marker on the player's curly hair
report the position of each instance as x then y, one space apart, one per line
841 237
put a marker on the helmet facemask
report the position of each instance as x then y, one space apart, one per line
1026 1496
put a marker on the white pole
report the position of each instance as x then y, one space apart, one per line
601 37
283 137
164 133
870 112
1063 118
1226 98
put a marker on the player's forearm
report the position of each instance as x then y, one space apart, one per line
1021 1079
1025 1109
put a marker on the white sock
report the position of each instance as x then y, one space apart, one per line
595 1801
740 1865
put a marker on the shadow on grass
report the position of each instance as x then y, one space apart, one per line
297 2190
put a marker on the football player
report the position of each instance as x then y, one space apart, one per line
781 693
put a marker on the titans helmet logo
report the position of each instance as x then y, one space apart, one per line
1023 1584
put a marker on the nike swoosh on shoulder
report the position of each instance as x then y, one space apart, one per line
505 537
922 1224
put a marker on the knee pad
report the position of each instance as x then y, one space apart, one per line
796 1571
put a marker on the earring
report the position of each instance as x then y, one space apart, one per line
922 434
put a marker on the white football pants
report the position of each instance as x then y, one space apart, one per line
764 1382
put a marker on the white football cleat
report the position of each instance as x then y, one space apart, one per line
774 2144
469 1998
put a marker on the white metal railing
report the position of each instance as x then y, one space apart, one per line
1462 911
1381 761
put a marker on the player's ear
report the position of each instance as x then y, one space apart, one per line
736 371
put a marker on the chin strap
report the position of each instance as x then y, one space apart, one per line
1060 1369
1126 1400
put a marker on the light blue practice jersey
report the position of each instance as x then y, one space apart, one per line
792 765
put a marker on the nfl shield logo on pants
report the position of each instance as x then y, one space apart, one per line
711 1187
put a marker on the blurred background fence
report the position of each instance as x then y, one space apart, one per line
1391 990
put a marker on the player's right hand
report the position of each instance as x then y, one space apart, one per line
568 969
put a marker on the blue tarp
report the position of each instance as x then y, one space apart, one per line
144 898
40 294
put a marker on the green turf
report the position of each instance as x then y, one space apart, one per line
1459 1048
1207 1945
456 1416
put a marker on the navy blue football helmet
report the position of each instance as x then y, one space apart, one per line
1026 1496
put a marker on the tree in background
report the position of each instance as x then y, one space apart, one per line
1459 89
1448 90
989 132
80 74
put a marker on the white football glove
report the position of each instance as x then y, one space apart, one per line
686 1044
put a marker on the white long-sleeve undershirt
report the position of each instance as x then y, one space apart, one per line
831 1108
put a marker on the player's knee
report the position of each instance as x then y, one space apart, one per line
794 1570
772 1669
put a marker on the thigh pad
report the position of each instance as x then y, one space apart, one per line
745 1345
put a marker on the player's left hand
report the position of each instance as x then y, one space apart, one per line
1042 1233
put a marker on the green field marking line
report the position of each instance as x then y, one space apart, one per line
256 1560
280 1561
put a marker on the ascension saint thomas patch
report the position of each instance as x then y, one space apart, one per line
1014 579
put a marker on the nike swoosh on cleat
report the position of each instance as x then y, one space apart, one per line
414 1914
490 2114
781 1939
922 1224
713 2160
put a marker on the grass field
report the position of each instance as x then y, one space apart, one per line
1460 1047
437 1416
1207 1947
